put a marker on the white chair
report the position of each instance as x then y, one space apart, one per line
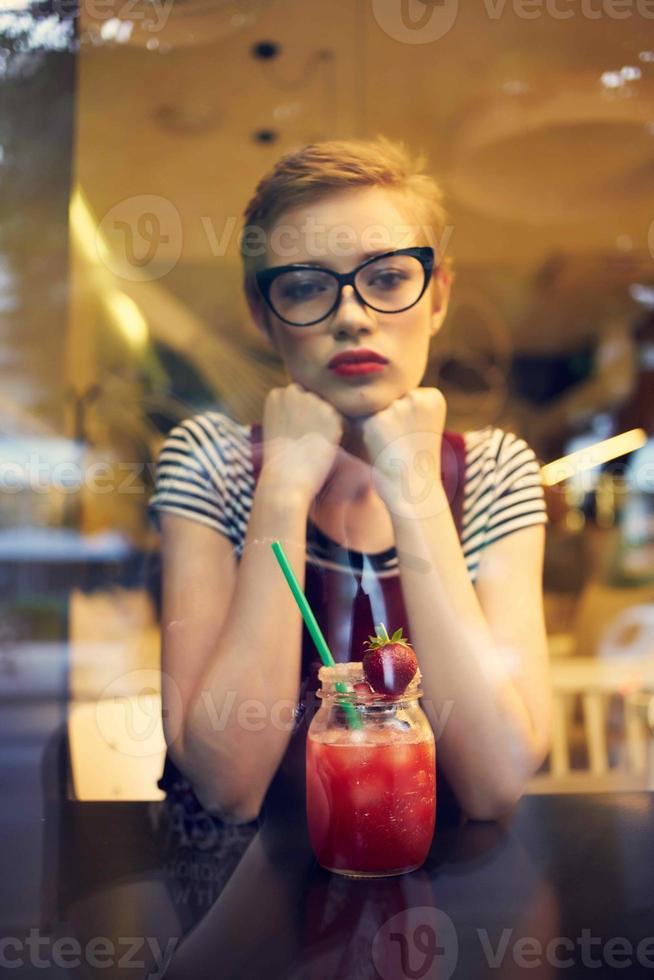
631 633
622 668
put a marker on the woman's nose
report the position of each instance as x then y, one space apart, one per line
352 313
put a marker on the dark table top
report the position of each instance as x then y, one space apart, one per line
563 886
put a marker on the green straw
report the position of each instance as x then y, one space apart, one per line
314 629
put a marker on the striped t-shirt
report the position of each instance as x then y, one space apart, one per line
205 472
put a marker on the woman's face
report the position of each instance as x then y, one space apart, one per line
340 232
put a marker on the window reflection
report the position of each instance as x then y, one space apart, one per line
125 164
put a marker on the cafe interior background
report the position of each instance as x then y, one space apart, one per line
131 136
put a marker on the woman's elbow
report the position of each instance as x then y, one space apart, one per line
236 814
492 809
497 801
236 809
492 805
220 789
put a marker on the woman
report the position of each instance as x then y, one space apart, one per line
352 471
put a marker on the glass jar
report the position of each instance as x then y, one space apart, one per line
371 787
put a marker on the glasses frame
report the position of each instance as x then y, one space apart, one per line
266 277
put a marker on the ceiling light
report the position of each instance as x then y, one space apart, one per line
642 294
631 73
586 459
612 79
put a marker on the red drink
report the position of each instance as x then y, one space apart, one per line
371 797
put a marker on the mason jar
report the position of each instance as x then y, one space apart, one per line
371 783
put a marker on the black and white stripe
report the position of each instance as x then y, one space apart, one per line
204 472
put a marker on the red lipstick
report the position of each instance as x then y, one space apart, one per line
357 361
358 367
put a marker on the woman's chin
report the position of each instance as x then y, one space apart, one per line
358 391
361 405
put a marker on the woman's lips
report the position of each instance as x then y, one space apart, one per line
348 368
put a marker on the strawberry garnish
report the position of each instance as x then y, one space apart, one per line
389 663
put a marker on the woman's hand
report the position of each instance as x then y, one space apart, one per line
301 435
404 445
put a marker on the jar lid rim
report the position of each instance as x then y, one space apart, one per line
352 671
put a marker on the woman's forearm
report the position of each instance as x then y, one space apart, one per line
242 711
487 745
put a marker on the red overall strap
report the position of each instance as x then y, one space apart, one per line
453 466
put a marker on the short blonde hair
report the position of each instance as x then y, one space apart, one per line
310 173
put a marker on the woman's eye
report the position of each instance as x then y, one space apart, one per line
387 280
302 290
